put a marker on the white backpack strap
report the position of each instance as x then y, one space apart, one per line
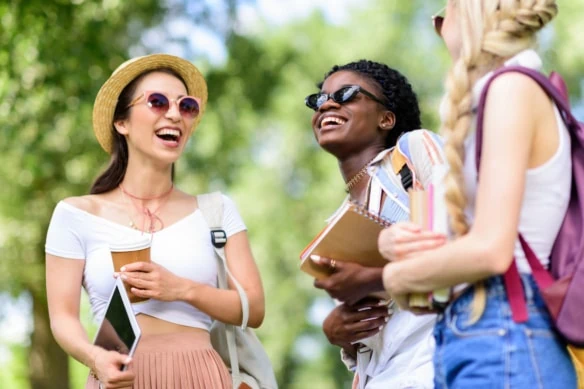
211 205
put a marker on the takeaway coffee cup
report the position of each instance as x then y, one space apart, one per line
126 253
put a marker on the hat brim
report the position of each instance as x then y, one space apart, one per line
107 97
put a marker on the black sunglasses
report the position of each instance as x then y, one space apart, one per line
342 96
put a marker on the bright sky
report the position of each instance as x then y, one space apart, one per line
250 14
284 11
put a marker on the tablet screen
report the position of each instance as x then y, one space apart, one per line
118 330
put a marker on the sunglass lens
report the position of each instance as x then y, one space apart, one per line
438 21
345 94
311 101
189 107
321 98
158 102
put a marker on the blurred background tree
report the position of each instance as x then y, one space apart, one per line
54 57
255 142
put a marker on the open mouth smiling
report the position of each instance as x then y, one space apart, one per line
331 121
169 134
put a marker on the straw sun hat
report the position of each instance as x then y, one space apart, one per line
107 97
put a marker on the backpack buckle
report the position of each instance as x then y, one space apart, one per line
219 238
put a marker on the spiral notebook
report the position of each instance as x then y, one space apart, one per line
351 235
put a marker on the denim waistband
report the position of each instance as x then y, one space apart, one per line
495 289
497 285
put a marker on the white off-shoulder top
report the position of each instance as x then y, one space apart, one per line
183 248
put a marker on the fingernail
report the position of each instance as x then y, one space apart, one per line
128 360
386 319
380 328
116 275
390 311
382 302
315 258
123 268
124 277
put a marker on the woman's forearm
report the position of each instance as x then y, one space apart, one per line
464 260
72 338
224 305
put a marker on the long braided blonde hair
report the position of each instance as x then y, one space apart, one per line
491 31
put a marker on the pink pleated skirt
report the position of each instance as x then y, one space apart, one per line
176 361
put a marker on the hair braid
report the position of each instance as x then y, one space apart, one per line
455 128
514 25
491 31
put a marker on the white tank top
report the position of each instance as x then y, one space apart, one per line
547 187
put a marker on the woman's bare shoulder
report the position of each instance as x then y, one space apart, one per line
184 199
88 203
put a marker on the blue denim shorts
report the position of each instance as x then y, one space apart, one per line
495 352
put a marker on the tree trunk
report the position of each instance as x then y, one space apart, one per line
48 364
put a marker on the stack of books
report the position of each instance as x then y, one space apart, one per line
428 210
352 235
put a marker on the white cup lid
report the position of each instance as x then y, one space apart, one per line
130 246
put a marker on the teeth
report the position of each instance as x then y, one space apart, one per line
332 120
168 131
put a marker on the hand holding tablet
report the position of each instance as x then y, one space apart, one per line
119 330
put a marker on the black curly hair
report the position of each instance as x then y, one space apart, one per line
399 96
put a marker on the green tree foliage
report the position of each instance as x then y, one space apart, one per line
54 58
255 141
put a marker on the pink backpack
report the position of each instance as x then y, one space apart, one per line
563 288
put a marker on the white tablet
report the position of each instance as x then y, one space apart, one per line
119 330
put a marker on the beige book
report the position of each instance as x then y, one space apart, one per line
419 215
428 210
351 235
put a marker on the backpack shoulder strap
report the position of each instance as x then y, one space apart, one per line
511 277
552 91
211 206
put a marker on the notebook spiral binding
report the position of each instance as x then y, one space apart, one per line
360 209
